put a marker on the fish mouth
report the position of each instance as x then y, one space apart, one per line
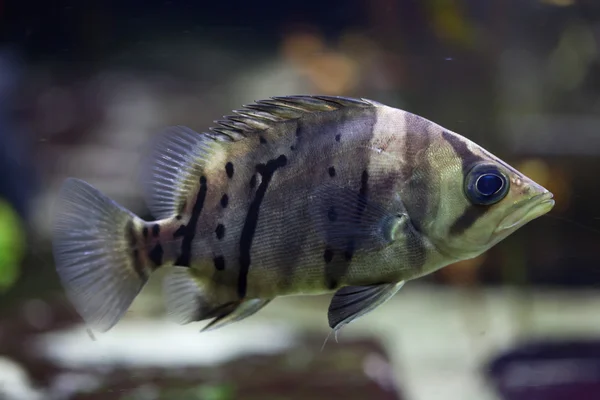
532 209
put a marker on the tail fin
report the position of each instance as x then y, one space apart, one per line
96 254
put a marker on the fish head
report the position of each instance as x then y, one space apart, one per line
473 199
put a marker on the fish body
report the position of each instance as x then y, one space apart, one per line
291 195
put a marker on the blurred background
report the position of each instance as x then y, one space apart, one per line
85 85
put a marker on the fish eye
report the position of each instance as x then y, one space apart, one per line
485 184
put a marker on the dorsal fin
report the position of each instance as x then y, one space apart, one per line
262 114
174 165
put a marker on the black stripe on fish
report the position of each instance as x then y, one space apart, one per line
335 271
155 230
360 209
328 255
418 138
467 219
332 214
156 255
189 231
468 159
135 254
330 281
266 171
360 124
364 182
417 256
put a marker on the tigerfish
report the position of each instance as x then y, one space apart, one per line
291 195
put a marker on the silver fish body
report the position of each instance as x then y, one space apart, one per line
291 195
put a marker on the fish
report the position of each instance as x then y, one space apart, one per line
289 196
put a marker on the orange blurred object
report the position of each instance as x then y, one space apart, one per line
463 273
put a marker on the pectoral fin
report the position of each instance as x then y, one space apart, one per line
352 302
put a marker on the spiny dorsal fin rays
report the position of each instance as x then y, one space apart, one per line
179 155
263 114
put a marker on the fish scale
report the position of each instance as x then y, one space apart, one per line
293 195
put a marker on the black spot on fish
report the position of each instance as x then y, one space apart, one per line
331 171
155 230
156 255
338 137
178 217
328 255
300 132
229 169
189 231
219 262
179 232
262 140
220 231
145 232
332 214
224 200
253 181
266 170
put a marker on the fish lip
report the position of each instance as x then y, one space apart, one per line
532 209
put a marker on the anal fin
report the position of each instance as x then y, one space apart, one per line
190 300
185 298
352 302
245 309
